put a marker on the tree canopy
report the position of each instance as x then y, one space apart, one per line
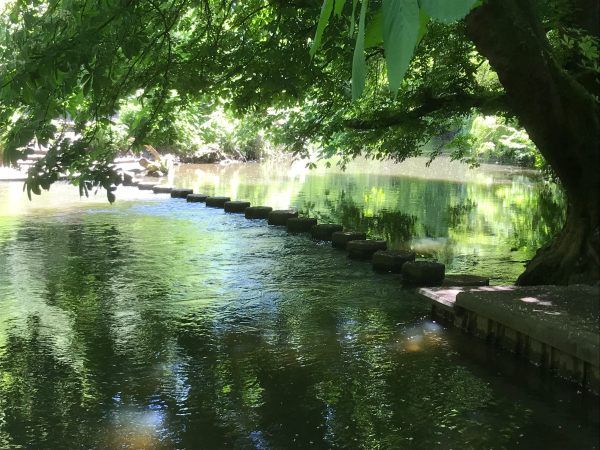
298 68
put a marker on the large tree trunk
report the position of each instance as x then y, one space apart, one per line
561 117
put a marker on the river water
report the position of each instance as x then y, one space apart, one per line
154 323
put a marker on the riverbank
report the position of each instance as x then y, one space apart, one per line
554 327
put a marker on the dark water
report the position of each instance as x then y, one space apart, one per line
153 323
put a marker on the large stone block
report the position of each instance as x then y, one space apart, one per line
465 280
217 202
300 224
236 206
391 260
181 193
364 249
146 186
339 239
323 231
196 198
257 212
423 273
281 216
162 189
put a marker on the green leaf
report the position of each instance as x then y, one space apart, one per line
374 31
359 65
339 7
447 10
423 23
323 21
400 32
354 2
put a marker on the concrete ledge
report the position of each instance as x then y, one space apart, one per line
555 327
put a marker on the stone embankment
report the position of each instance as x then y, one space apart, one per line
552 326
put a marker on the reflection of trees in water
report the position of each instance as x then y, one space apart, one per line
394 226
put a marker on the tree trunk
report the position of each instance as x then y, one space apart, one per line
562 118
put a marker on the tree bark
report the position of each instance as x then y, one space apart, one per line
562 118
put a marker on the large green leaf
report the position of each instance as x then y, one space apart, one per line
359 65
374 31
401 25
447 10
326 10
339 7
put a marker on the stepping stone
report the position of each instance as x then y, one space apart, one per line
281 216
131 183
465 280
196 198
300 224
423 273
162 189
323 231
181 193
339 239
391 260
217 202
236 207
364 249
257 212
145 186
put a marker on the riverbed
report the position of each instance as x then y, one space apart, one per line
153 323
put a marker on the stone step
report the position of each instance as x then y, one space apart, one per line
217 202
236 206
391 260
364 249
323 231
423 273
258 212
196 198
300 224
339 239
162 189
465 280
280 216
146 186
181 193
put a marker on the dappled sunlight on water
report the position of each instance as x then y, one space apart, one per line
153 323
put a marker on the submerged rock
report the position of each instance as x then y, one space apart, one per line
281 216
181 193
236 206
423 273
300 224
465 280
217 202
364 249
257 212
323 231
196 198
391 260
339 239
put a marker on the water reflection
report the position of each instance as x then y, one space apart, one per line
154 324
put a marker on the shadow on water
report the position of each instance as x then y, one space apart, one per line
153 324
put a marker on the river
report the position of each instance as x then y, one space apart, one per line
154 323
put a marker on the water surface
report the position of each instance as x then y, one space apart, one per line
153 323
